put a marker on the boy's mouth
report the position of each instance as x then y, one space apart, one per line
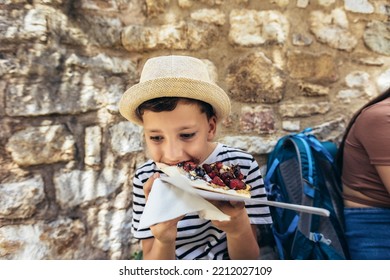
196 161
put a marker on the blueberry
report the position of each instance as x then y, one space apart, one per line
199 171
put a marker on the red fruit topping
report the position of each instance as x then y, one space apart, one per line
226 177
219 165
212 174
237 172
218 181
189 166
207 168
236 184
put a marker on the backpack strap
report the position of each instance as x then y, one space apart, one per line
275 161
270 173
306 160
327 150
281 237
306 163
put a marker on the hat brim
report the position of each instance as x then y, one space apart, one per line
173 87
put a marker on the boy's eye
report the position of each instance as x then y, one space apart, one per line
187 135
156 138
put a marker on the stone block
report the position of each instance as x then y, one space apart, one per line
255 78
294 110
258 120
126 138
92 145
19 200
377 37
320 68
41 145
250 28
78 187
333 29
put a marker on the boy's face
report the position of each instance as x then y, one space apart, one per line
179 135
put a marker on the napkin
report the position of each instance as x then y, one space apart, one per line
172 197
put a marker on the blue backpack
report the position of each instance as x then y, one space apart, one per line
301 170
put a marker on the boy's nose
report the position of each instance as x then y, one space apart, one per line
173 151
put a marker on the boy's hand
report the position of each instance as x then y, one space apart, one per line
149 183
238 216
164 232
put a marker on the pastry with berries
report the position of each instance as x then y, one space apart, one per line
217 177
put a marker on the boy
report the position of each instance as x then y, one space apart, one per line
179 107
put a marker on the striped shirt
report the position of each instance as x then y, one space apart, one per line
197 238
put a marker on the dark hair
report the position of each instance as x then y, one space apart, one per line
339 157
169 104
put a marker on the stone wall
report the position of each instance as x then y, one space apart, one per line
67 156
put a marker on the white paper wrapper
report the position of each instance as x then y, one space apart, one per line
171 198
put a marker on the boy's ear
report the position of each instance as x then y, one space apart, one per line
212 128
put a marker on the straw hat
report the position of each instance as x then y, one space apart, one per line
174 76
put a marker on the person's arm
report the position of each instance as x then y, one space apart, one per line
243 244
241 235
384 173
